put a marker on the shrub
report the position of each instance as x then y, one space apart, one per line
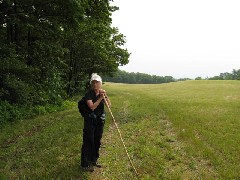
12 112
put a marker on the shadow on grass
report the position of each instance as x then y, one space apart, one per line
69 172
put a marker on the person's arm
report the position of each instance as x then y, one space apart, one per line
92 105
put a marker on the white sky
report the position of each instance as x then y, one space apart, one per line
180 38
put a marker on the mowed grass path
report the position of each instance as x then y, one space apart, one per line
182 130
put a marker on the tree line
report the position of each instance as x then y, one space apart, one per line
142 78
137 78
235 75
49 49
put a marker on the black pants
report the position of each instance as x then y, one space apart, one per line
92 135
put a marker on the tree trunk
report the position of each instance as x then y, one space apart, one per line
11 33
8 33
15 27
29 57
70 75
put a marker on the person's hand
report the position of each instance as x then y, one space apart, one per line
102 93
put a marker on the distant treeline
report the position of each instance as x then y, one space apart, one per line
137 78
235 75
142 78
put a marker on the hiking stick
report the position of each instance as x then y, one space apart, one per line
120 134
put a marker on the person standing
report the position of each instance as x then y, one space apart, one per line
93 124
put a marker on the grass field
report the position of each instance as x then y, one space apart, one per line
182 130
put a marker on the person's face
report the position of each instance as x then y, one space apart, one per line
96 85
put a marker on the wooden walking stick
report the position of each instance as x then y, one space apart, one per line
120 135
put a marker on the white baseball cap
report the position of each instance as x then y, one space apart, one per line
96 77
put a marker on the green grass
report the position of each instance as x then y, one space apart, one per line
205 119
44 147
183 130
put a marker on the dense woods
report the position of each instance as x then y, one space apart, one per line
48 49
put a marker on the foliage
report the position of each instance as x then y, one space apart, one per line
48 49
12 112
198 78
235 75
137 78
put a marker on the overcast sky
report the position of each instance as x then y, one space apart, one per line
180 38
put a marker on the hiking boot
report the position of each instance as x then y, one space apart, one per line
88 168
97 165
